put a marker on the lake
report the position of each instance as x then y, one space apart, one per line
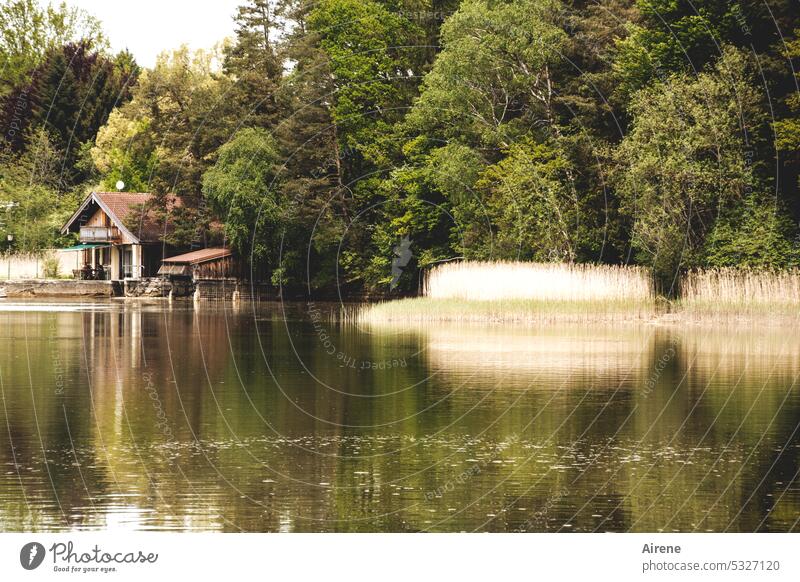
134 416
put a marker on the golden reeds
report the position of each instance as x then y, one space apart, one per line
741 291
484 281
523 292
543 292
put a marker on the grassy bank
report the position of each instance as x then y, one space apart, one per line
530 293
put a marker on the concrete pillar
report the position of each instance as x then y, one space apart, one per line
116 262
136 261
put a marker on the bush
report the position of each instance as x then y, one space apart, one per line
50 268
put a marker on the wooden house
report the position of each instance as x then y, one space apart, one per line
118 236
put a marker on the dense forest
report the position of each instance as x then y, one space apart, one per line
325 135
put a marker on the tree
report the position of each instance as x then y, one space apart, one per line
70 94
492 81
672 36
368 49
242 190
125 150
356 66
479 129
758 233
688 157
532 204
180 112
787 128
29 32
252 61
30 187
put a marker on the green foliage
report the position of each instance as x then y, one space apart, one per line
326 133
28 32
787 130
168 134
31 206
251 61
754 234
369 54
242 190
492 81
688 155
50 268
675 36
533 204
125 149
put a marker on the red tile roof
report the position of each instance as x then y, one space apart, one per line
126 208
126 211
200 256
122 203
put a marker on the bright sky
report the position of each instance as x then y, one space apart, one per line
147 27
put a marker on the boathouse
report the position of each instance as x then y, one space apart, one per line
204 264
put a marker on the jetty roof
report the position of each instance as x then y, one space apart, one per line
201 256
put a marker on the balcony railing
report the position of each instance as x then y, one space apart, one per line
91 234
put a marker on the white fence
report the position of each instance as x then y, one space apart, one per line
32 266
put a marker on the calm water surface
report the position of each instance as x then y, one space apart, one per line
144 417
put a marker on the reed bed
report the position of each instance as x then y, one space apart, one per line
533 293
560 282
427 310
740 292
523 293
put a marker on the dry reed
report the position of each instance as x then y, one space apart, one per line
524 293
483 281
536 293
736 291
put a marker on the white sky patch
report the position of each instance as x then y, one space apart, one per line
148 27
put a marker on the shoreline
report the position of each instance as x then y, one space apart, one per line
526 313
490 314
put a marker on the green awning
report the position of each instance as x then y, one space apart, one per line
86 246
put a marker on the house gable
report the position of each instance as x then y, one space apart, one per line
107 209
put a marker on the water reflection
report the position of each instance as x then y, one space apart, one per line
135 416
